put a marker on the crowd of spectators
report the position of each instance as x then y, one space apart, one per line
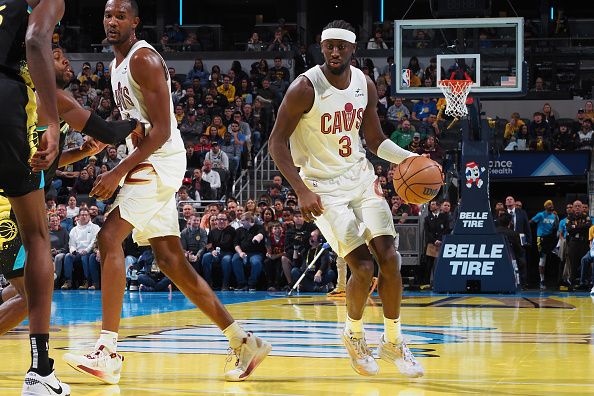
547 132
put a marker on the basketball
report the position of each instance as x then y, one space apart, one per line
417 180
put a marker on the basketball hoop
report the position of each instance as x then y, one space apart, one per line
455 92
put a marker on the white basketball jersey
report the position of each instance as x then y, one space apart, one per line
326 141
169 160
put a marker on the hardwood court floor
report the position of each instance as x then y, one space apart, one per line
528 344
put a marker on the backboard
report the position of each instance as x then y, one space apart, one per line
489 51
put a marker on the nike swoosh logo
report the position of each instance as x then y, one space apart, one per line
326 97
57 390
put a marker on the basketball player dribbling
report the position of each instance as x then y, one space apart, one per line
145 205
25 38
320 116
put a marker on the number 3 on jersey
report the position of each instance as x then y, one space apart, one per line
346 149
2 8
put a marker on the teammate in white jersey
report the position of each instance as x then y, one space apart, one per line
320 116
145 205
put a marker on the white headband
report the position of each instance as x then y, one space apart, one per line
339 34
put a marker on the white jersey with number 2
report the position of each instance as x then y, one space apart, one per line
326 142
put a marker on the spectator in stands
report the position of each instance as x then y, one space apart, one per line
190 128
549 115
278 43
65 221
183 197
199 71
191 43
220 163
302 60
227 116
245 129
150 277
279 68
87 74
193 240
273 264
430 127
244 91
589 110
403 135
200 189
539 85
217 122
539 127
432 148
254 43
377 42
164 44
83 184
422 109
105 80
227 89
211 177
114 115
72 209
203 145
585 135
277 83
415 145
112 159
564 139
202 116
398 111
104 108
187 212
81 241
232 146
179 114
220 250
59 238
250 249
268 218
512 127
177 92
416 72
320 277
268 95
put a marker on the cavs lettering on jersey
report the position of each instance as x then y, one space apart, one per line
169 161
326 141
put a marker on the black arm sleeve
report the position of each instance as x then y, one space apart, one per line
110 132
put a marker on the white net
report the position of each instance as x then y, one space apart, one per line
455 92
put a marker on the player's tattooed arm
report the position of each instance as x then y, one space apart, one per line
298 100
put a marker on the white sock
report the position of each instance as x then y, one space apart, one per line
542 277
392 331
109 339
354 326
235 334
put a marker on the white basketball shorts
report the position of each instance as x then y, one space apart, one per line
355 210
147 204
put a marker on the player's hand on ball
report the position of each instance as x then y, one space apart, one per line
93 146
48 149
137 134
105 185
311 205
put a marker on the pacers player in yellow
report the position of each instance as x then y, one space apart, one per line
26 28
145 205
326 165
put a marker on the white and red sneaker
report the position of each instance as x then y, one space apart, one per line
249 355
100 364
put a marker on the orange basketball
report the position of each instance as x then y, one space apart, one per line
418 179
